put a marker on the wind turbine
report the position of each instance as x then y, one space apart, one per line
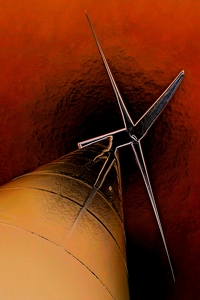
131 134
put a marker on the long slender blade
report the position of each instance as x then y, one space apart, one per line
125 115
147 120
99 138
141 162
97 185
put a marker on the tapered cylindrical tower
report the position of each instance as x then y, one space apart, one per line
56 242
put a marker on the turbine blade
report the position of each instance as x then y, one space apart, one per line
125 115
97 185
99 138
147 120
141 163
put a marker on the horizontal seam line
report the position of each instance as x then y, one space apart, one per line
42 190
73 177
63 250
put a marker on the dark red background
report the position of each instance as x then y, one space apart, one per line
54 92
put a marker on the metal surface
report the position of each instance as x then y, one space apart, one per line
133 133
45 253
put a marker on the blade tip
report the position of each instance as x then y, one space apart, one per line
183 72
80 145
87 16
